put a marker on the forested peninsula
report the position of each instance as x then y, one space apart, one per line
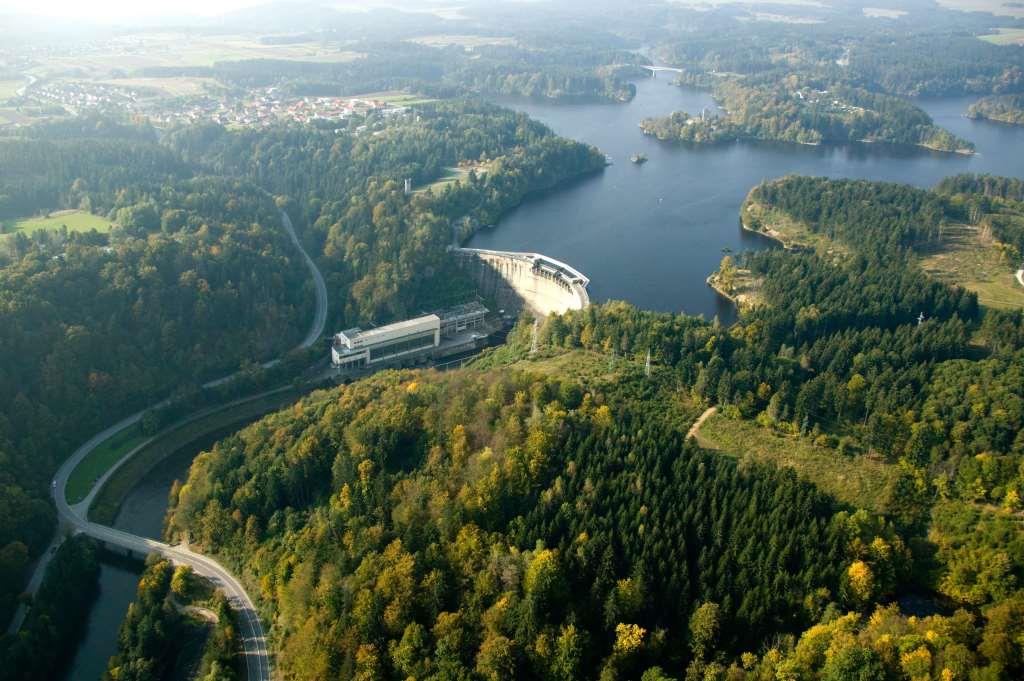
789 112
1003 109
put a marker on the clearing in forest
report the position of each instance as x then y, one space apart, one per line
859 481
968 257
75 220
1006 36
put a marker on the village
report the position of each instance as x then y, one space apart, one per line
256 108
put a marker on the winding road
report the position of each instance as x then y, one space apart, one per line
74 517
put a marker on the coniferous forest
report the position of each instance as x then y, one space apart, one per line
828 486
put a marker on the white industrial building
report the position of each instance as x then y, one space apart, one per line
412 338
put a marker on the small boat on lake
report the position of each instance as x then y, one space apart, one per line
638 159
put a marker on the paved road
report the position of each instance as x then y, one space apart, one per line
316 329
74 518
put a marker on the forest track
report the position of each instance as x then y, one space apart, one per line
695 428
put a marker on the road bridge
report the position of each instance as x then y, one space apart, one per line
660 69
73 519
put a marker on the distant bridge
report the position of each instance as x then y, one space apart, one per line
655 69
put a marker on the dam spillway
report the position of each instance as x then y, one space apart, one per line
528 281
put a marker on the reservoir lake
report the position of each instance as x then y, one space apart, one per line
652 233
649 234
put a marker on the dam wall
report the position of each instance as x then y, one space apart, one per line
526 281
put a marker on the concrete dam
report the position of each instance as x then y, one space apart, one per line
526 281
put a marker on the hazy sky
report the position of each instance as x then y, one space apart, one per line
107 10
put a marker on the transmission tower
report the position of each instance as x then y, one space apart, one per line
533 345
647 364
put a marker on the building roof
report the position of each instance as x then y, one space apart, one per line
391 329
469 309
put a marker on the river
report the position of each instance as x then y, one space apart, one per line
142 512
651 233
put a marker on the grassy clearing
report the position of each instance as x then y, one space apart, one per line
396 98
1006 36
791 233
456 174
859 481
451 176
589 366
967 258
99 462
75 220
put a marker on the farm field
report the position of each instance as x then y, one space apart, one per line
168 87
9 88
998 7
140 51
76 221
396 98
966 258
462 40
1006 36
859 481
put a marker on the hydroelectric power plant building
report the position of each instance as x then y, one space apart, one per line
411 341
528 282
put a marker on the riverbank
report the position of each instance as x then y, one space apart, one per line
107 502
743 288
758 218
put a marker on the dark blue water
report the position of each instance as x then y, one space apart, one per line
651 234
117 591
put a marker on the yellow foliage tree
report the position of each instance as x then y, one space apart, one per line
628 638
861 582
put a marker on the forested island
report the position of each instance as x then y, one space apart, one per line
1003 108
790 113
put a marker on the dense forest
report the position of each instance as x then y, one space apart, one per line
197 277
164 621
564 74
789 112
378 245
1002 108
921 51
469 508
57 619
93 323
544 518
